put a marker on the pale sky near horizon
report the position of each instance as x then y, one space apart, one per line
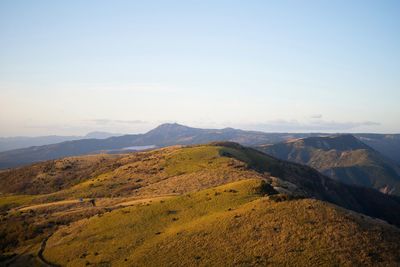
71 67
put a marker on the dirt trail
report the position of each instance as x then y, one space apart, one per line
44 205
40 254
99 202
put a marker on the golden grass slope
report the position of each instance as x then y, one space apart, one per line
233 224
142 179
172 170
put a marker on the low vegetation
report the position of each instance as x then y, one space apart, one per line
234 224
125 209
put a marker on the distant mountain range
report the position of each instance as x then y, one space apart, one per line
173 134
163 135
344 158
11 143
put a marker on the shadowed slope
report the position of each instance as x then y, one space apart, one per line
343 158
386 144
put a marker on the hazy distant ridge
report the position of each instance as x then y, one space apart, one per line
11 143
172 134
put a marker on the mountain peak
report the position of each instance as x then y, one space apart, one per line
170 127
167 131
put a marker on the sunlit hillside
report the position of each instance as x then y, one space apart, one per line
142 202
238 223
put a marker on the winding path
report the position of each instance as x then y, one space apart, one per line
40 254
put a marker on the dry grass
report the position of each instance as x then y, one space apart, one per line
182 228
228 225
55 175
171 170
11 201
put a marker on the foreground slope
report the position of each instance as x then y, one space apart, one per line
343 158
54 194
241 223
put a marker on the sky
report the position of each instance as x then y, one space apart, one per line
71 67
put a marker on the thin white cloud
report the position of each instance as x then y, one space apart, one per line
316 116
313 125
110 121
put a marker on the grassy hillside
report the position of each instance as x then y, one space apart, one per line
171 170
234 224
92 187
343 158
52 176
177 170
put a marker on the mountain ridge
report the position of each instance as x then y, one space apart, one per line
164 135
344 158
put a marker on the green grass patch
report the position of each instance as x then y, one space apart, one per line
7 202
193 159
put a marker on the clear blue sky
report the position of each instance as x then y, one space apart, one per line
69 67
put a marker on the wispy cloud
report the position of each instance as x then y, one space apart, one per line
110 121
312 125
316 116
